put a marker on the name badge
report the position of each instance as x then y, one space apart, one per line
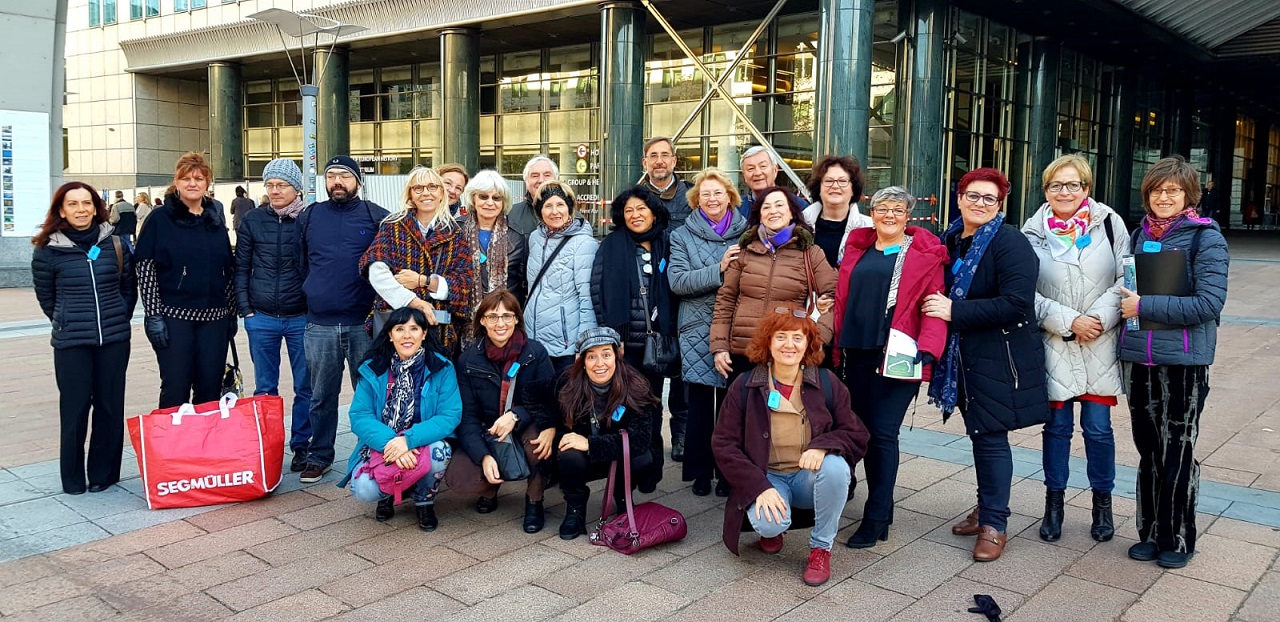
94 252
1151 246
483 257
617 414
1083 241
662 265
775 400
893 250
955 268
511 373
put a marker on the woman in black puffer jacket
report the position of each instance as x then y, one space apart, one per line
83 277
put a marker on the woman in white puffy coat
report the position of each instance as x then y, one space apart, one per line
1080 243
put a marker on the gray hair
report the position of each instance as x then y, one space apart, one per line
893 193
758 149
528 166
489 181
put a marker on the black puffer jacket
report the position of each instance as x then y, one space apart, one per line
268 273
633 332
89 302
480 383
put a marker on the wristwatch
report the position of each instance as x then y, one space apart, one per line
514 416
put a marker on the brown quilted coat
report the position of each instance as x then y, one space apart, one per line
758 282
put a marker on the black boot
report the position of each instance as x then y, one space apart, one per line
1104 526
575 515
386 509
534 517
427 518
1051 524
702 486
867 534
722 487
678 422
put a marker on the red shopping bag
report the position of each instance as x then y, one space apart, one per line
218 452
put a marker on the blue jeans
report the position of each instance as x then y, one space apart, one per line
825 491
365 489
993 466
327 348
265 334
1099 446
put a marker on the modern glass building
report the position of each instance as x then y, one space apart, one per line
919 90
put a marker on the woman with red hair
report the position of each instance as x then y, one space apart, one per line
83 277
993 365
787 439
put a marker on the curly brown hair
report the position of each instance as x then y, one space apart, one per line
758 351
628 388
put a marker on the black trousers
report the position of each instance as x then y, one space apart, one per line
577 470
1165 403
881 403
704 410
191 367
91 377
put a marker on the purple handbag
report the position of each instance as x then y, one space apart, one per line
392 479
642 526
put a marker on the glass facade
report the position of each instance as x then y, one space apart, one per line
1241 165
102 13
1082 120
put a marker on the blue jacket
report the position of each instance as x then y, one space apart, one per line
1197 314
333 238
695 277
440 406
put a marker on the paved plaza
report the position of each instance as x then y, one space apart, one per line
312 552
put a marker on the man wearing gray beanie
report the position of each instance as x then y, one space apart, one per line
269 297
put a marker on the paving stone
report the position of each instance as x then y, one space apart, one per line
587 579
523 603
1025 567
705 529
950 602
114 500
38 593
195 607
742 600
851 601
1173 597
312 542
241 513
917 568
301 607
397 575
405 540
705 571
907 527
116 571
634 600
944 499
920 473
220 542
572 547
30 569
279 582
154 591
502 573
52 540
35 516
1065 600
134 520
125 544
432 604
1228 562
327 512
1263 603
488 542
79 608
782 571
1109 564
1246 532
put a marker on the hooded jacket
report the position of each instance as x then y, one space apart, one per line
855 220
1066 291
695 277
560 306
89 301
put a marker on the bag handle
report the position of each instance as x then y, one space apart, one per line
810 279
608 491
225 404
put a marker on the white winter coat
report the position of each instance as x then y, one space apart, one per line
1065 291
856 220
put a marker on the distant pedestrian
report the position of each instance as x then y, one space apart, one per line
240 206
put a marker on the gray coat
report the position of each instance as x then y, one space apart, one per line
695 276
1195 343
560 307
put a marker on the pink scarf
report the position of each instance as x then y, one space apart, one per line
291 210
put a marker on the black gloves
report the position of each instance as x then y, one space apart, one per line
986 606
157 331
925 357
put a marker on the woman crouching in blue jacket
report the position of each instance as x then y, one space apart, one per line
406 404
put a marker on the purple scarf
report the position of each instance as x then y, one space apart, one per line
719 227
772 242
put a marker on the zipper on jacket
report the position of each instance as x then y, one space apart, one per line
564 325
183 277
1186 343
97 304
964 380
1008 352
279 273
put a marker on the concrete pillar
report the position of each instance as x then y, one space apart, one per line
622 40
1038 126
1119 190
460 94
333 110
226 121
921 79
844 84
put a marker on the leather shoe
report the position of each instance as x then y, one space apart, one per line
701 487
427 518
1144 552
1174 559
485 505
722 488
299 462
386 509
968 526
98 487
534 516
677 448
771 545
990 545
867 534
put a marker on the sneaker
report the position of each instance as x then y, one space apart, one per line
299 462
818 570
1144 551
313 473
771 545
1174 559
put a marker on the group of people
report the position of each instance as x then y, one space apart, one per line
787 339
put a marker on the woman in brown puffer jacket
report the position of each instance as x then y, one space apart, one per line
779 267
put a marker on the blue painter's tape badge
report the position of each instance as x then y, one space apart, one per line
511 373
1151 246
893 250
617 414
775 400
94 252
1083 241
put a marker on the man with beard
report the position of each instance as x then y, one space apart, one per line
538 170
659 166
334 234
760 171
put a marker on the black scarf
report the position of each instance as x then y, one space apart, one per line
84 239
618 251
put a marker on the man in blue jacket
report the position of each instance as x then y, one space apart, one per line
334 235
760 170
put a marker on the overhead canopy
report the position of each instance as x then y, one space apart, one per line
1209 24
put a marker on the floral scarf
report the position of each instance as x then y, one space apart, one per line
1067 233
490 265
1157 227
773 242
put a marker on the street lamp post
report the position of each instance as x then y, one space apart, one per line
299 26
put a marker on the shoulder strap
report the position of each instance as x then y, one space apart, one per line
1133 241
828 395
609 486
1195 245
1111 234
115 241
546 264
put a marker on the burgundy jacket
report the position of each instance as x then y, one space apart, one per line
922 274
741 439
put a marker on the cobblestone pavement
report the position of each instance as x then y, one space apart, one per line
310 553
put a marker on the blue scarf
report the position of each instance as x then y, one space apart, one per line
944 386
772 242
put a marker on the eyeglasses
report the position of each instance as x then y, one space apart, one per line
885 211
647 258
661 156
718 194
989 200
431 188
343 175
795 312
835 183
1070 186
1172 193
498 318
484 198
279 186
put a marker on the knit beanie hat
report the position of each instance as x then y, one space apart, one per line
285 170
345 163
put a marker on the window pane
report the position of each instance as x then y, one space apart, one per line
153 8
135 9
178 5
95 13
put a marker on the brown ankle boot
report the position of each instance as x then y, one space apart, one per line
968 526
990 545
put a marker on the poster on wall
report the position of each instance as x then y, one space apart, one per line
24 171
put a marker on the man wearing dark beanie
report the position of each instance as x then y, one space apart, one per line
334 235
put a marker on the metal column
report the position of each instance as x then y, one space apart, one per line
460 94
1038 127
844 86
921 77
1119 190
226 121
622 94
333 129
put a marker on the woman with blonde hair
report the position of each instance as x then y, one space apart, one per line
418 259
